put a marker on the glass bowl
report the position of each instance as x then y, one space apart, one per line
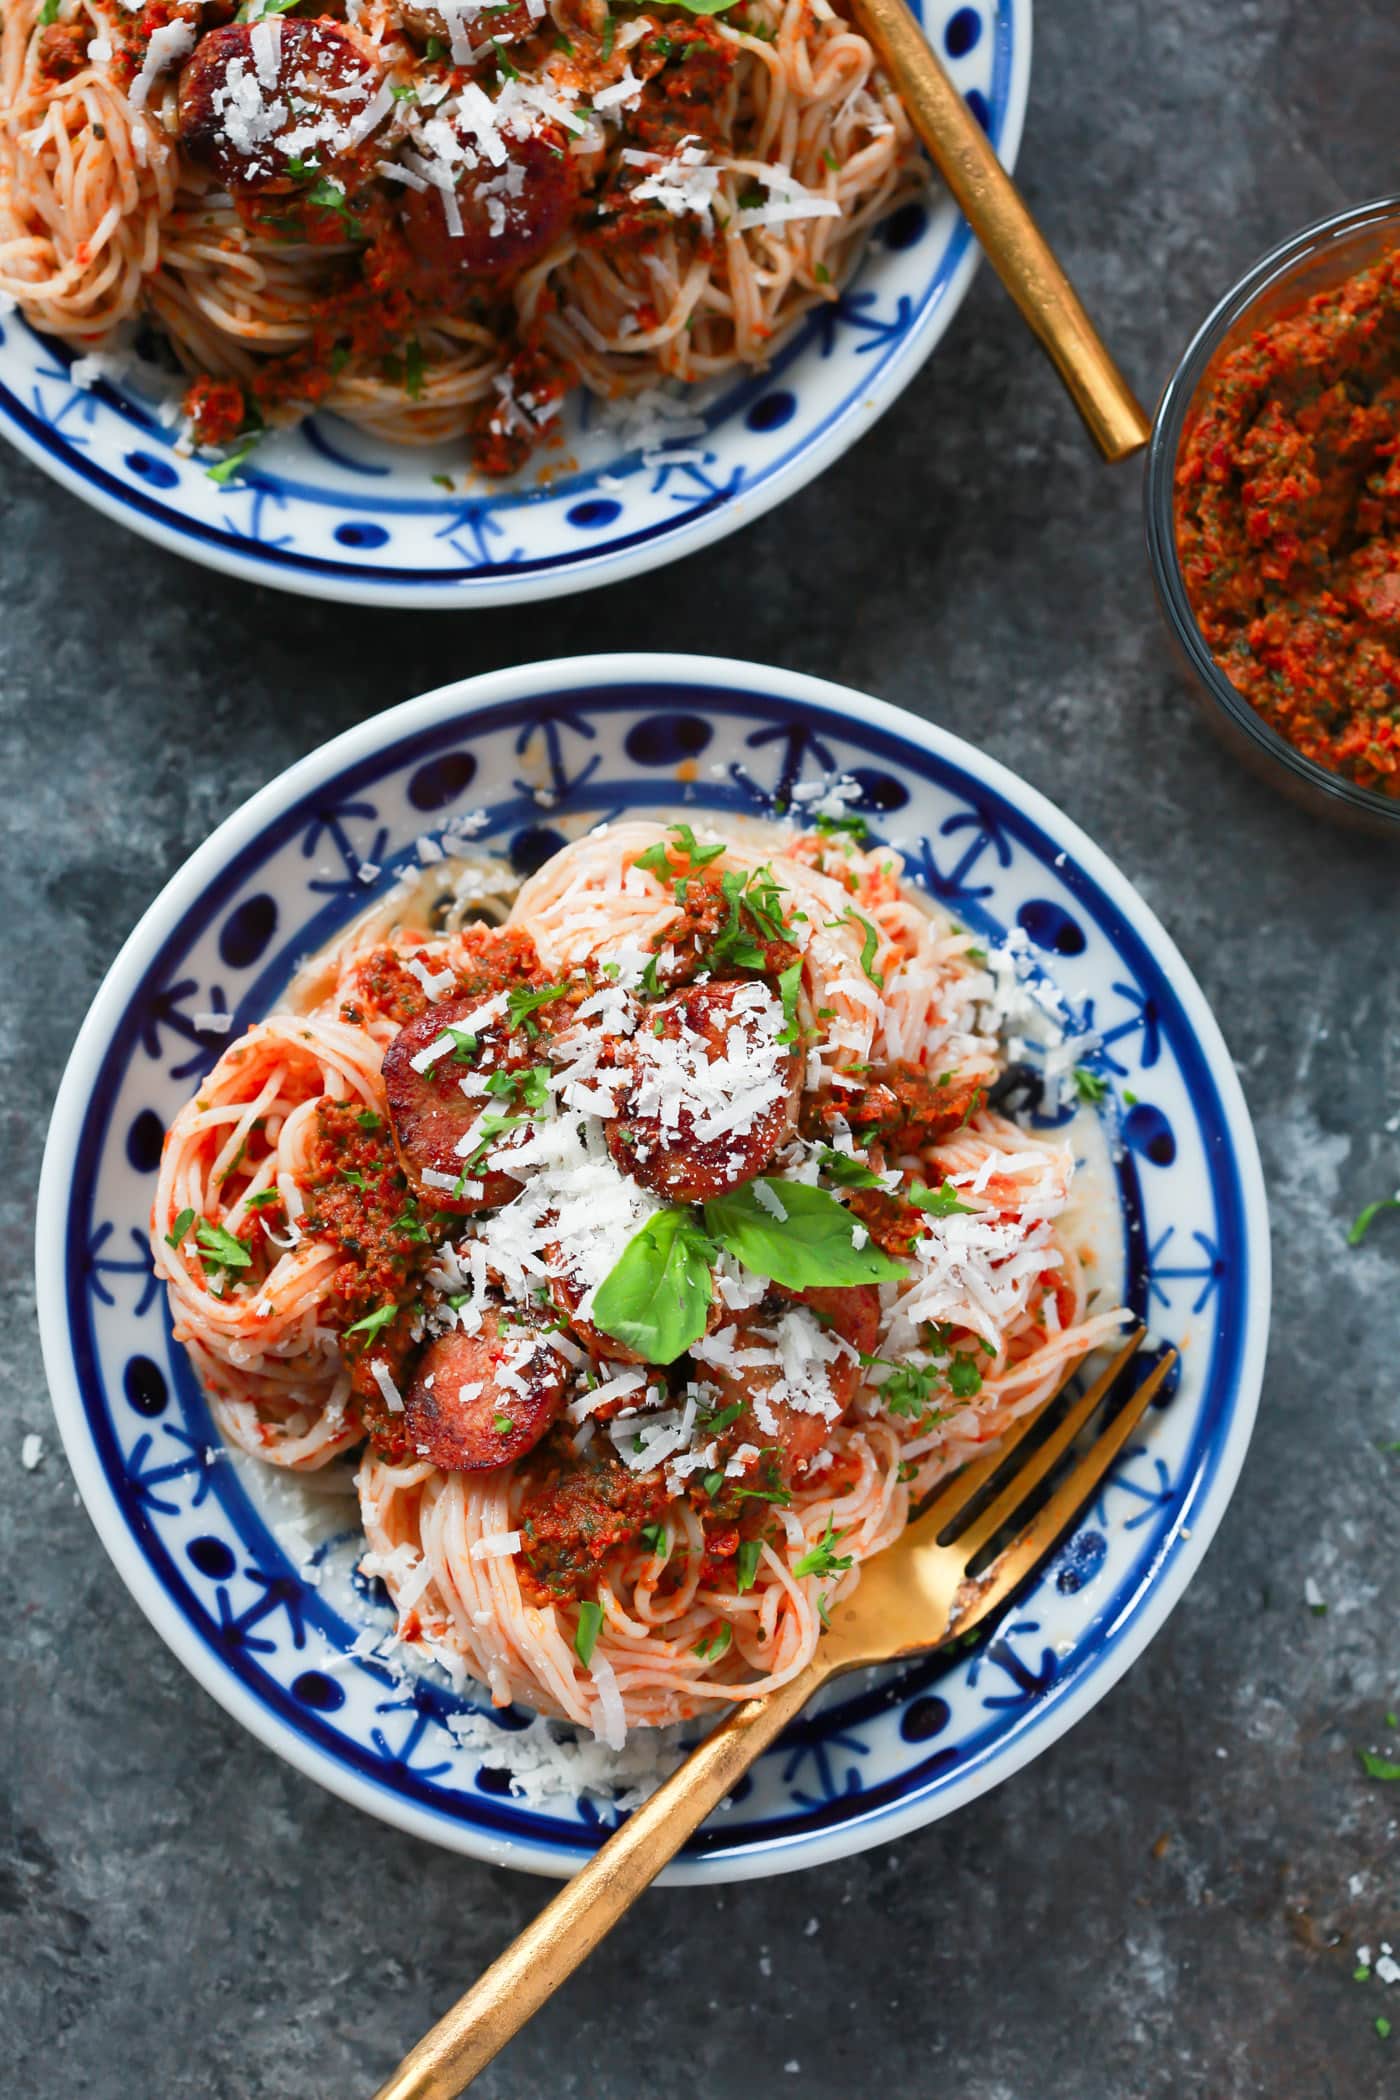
1321 256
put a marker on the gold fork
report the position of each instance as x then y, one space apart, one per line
915 1596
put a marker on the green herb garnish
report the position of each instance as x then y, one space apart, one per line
590 1625
749 1555
373 1324
178 1230
811 1246
656 1298
1368 1218
821 1559
940 1202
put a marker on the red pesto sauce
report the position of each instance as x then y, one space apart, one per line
1288 525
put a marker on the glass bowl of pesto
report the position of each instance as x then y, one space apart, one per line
1273 515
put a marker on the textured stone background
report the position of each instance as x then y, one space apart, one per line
1163 1905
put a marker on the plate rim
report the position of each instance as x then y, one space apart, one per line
326 580
240 830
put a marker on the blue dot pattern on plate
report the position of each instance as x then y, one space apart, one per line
439 782
182 1502
1051 927
156 473
319 1691
771 411
145 1387
354 534
332 506
963 32
666 740
1148 1132
144 1141
247 931
213 1557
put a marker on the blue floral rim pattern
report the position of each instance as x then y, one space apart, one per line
332 511
921 1736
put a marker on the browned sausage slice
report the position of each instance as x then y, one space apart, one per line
432 1115
509 215
711 1093
482 1400
853 1313
258 98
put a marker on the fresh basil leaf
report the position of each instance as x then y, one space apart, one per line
846 1172
656 1298
810 1247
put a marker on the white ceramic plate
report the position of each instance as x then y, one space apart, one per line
199 1546
332 512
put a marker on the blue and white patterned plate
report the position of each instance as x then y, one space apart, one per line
332 512
545 752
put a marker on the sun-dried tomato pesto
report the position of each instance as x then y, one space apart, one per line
1288 525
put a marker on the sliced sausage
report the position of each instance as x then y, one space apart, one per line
431 1114
703 1057
482 1400
902 1105
492 19
567 1295
509 214
851 1312
255 98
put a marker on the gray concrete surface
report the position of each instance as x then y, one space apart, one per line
1137 1917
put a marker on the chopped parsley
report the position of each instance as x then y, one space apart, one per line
789 985
502 1424
228 469
523 1004
964 1378
821 1559
369 1120
940 1202
413 366
1369 1216
219 1249
508 71
869 947
749 1555
711 1650
373 1324
1091 1087
590 1625
1378 1767
657 859
178 1230
658 1538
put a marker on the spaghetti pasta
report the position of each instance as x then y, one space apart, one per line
435 220
654 1237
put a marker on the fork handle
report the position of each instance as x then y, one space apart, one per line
1014 244
567 1930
